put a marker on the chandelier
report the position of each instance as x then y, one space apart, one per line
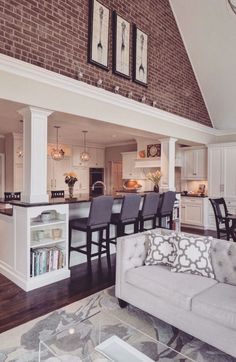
84 156
57 154
232 4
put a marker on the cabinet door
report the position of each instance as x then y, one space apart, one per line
200 163
82 185
18 177
189 161
100 157
215 171
76 152
193 214
50 174
128 165
183 218
229 172
60 167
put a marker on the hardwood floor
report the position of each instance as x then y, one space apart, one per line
17 306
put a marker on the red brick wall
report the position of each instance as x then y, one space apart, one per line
53 34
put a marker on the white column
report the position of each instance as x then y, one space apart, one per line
35 154
168 164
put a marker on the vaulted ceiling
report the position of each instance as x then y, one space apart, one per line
208 29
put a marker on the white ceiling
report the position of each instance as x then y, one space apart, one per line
208 29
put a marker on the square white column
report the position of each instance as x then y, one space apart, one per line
35 154
168 164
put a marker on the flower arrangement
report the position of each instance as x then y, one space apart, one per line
154 177
70 178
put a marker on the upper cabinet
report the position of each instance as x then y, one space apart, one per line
55 173
14 162
194 164
128 166
97 157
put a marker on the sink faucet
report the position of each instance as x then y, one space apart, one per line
99 183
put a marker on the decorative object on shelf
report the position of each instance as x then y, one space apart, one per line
140 74
46 216
232 4
57 153
121 46
39 235
70 180
131 185
142 154
116 89
99 82
155 178
84 156
98 34
80 75
154 150
56 233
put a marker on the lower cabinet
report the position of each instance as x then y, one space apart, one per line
194 212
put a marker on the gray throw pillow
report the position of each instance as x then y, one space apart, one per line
223 257
159 248
193 255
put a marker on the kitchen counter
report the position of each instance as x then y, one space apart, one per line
193 195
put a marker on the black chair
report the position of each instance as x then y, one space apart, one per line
128 215
221 213
165 208
149 210
9 196
57 193
98 220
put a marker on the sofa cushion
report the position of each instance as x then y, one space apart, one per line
223 257
193 255
160 248
176 288
218 304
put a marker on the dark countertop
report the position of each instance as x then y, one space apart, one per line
7 211
193 195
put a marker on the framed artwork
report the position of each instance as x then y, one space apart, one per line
98 34
121 46
154 150
140 58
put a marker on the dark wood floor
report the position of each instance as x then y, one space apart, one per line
17 306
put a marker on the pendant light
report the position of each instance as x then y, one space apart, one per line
84 156
57 154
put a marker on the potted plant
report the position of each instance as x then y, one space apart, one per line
155 178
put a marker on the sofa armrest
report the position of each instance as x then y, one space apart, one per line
130 253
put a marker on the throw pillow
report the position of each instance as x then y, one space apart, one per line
159 248
192 255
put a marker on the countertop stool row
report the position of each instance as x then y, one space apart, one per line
155 206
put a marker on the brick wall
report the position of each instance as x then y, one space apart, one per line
53 34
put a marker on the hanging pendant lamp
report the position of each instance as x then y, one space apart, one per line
84 156
57 154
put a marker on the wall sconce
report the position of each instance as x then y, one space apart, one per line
143 99
116 89
154 103
130 94
99 82
80 75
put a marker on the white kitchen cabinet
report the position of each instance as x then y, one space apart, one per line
76 152
55 173
128 166
97 157
14 162
194 164
194 211
82 185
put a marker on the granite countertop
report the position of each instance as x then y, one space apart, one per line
193 195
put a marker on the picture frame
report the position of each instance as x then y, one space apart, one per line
154 150
98 34
140 57
121 46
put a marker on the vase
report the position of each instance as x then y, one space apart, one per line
156 188
71 191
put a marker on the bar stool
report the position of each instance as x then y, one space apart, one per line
98 220
128 215
149 210
165 208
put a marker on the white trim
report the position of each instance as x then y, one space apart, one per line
17 67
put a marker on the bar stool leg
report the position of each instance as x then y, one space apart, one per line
136 227
171 221
108 247
69 244
141 225
100 238
89 247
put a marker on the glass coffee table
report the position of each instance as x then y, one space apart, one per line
104 337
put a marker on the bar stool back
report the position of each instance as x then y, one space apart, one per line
98 220
165 208
149 210
128 215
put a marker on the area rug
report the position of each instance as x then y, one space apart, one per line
21 344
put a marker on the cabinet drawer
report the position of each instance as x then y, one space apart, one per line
191 200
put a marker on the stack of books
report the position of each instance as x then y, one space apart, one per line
46 260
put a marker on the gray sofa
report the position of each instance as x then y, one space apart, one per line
203 307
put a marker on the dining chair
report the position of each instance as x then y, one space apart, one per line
221 212
165 208
149 210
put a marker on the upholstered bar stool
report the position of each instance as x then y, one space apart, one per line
98 220
149 210
165 208
128 215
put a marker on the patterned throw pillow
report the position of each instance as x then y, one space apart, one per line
192 255
159 248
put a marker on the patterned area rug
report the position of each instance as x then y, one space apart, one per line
21 344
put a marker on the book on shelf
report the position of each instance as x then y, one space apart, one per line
43 260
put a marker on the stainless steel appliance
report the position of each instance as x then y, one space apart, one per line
96 181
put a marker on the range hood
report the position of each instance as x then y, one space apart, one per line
147 162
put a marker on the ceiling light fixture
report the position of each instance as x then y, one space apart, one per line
57 154
232 4
85 155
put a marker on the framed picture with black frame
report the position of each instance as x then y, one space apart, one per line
140 56
98 34
121 46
